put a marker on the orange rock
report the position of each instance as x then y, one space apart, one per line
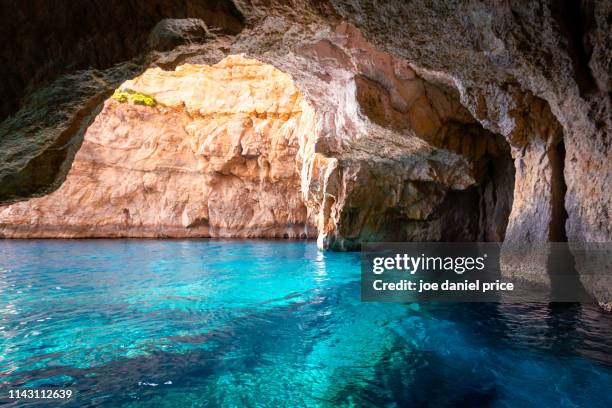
215 157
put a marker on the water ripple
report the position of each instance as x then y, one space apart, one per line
269 323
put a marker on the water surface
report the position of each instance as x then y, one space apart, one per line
130 323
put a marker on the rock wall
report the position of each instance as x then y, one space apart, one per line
253 159
380 152
521 67
537 73
395 153
214 154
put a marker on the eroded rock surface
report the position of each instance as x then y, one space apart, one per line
45 41
395 154
216 156
537 73
376 153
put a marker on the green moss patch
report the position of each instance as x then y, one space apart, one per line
129 95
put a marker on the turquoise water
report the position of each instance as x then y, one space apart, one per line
130 323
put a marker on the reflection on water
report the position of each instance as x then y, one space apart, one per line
274 323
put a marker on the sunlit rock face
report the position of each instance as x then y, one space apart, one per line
216 156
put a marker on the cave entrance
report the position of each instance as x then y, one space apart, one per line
462 192
195 152
481 213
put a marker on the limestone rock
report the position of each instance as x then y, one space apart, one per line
536 73
40 141
216 156
171 32
255 158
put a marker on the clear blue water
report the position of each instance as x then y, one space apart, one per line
130 323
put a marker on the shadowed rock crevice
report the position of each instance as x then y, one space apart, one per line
46 171
496 195
558 187
38 143
561 266
574 18
413 206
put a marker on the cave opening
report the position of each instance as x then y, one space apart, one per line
197 151
234 150
478 207
481 213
